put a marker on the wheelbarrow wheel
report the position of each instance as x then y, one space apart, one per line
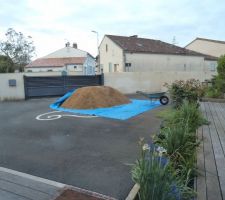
164 100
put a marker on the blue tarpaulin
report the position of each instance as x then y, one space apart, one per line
121 112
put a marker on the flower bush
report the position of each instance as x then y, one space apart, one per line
177 142
190 90
156 177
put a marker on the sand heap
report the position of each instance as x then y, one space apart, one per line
95 97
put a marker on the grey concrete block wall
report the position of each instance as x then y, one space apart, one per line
8 92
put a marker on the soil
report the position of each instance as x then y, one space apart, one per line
75 195
95 97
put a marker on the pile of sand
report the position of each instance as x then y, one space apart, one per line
95 97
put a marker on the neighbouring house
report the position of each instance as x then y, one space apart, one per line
134 54
207 46
68 59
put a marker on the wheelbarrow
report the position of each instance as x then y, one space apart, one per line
164 100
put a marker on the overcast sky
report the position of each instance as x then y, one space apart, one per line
53 22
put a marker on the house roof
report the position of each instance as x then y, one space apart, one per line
205 39
67 52
56 62
134 44
208 40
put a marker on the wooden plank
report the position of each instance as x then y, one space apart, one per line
35 185
212 181
222 110
215 130
5 195
201 178
220 156
23 191
221 117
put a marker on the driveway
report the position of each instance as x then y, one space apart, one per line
91 153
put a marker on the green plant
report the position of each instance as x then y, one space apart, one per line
189 114
155 180
181 146
190 90
217 89
212 92
186 113
221 66
178 137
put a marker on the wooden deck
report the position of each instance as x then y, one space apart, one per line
19 186
210 184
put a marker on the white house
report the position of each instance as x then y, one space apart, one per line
207 46
134 54
67 59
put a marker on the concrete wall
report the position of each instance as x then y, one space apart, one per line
159 62
130 82
17 92
207 47
11 93
113 56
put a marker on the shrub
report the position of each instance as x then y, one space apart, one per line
217 89
178 137
181 146
189 114
156 178
213 92
186 113
221 66
190 90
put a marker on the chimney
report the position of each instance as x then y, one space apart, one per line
75 45
67 44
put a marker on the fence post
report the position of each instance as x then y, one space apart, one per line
102 79
25 88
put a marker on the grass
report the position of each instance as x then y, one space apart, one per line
165 113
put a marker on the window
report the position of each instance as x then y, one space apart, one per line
212 67
106 47
127 67
75 67
50 70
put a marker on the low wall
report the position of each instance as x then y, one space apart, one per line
126 82
11 92
17 92
130 82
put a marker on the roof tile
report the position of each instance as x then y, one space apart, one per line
55 62
134 44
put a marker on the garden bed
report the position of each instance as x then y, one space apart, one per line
80 194
205 99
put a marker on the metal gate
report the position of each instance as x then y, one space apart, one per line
57 85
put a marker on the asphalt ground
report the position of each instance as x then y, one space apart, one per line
90 153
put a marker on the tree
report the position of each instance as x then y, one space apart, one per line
18 48
6 64
221 67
